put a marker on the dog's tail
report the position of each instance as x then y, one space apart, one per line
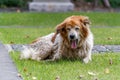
25 50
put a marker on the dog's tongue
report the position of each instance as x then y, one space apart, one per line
73 44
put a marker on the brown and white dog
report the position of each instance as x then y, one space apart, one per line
73 39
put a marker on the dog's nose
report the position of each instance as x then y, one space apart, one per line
72 36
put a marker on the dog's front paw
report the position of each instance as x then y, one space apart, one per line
56 57
86 60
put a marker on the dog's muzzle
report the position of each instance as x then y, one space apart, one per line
73 41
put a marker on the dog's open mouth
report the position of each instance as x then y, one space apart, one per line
74 43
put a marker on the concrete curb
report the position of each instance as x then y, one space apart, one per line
8 70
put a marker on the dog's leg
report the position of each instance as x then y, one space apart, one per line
86 60
88 57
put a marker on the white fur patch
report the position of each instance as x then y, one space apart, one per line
26 53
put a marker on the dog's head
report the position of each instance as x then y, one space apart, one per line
74 30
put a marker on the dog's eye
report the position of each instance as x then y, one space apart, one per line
68 29
76 28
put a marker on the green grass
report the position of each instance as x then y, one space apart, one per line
27 35
22 35
70 69
52 19
108 36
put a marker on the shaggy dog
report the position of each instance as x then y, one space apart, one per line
73 39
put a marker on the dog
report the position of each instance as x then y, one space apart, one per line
72 39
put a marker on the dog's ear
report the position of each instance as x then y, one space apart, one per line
85 20
60 27
85 24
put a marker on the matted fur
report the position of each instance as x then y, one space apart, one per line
40 49
58 44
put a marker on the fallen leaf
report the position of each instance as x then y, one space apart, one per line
81 76
57 78
107 71
19 75
92 73
109 38
24 69
27 75
34 78
11 42
30 74
27 36
95 78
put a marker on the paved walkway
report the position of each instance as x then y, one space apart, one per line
8 70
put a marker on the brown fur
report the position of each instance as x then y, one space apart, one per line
81 21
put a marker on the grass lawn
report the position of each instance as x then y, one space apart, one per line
52 19
71 69
44 23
